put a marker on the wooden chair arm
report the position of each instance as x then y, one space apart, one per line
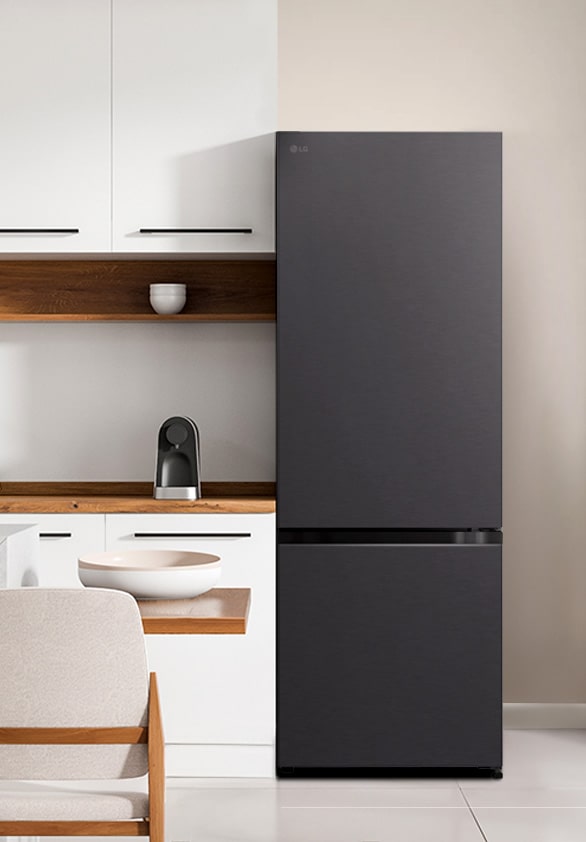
73 736
156 753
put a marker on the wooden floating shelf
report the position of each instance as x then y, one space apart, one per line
219 611
218 289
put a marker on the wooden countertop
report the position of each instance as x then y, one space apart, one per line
219 611
133 498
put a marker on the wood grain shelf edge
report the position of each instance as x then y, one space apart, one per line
219 611
133 498
136 317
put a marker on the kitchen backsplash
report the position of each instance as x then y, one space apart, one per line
85 401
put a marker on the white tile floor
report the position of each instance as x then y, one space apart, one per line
541 798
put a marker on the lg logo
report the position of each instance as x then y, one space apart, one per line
294 148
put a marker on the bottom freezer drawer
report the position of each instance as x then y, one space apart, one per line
389 656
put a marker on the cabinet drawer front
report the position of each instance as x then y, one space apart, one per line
214 688
241 541
62 539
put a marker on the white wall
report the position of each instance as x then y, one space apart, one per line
516 66
85 401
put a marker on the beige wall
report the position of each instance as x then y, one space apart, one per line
516 66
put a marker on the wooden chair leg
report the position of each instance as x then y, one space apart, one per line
156 759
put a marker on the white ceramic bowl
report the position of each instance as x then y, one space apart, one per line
151 574
167 298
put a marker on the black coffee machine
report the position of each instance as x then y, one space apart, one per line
178 472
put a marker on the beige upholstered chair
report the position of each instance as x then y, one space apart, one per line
76 705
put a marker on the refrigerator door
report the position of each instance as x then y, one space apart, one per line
389 657
389 330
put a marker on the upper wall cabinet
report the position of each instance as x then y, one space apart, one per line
137 125
55 126
194 99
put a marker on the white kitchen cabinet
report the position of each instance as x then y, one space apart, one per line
55 137
194 112
215 689
63 538
122 115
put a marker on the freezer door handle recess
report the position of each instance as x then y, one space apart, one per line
391 537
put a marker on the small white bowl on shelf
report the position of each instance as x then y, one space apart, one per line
151 574
167 299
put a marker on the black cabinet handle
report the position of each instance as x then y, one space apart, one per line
192 535
39 230
195 230
55 535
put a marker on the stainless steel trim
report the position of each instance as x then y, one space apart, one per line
176 493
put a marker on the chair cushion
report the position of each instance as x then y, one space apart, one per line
68 801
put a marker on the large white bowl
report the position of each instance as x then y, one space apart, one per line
151 574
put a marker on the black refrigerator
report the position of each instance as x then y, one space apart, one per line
389 453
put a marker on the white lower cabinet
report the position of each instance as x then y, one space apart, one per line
217 691
62 539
